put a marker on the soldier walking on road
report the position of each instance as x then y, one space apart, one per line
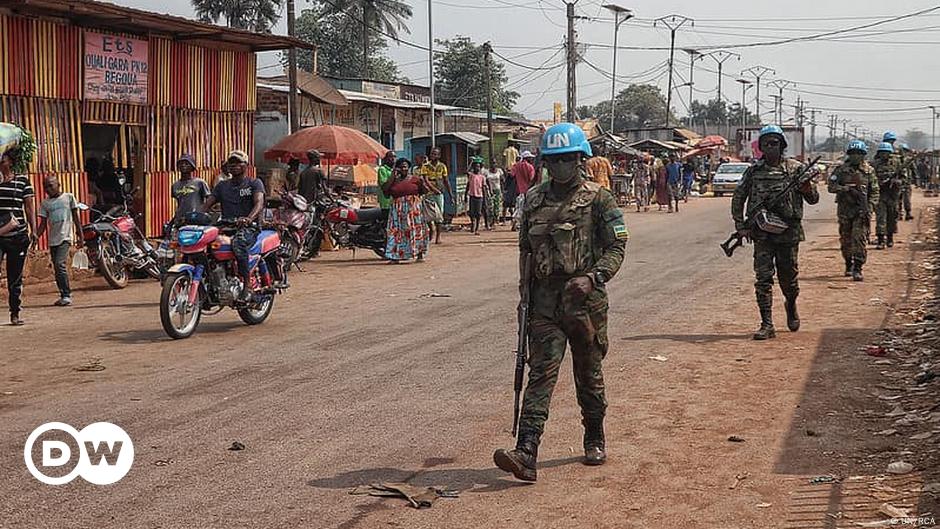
908 175
780 251
856 188
576 237
889 186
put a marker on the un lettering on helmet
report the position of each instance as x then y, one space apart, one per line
557 141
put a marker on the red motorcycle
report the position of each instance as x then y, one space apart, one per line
116 247
293 219
353 228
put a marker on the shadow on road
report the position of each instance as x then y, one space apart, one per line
689 338
460 479
148 336
118 306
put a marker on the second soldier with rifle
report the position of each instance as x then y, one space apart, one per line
573 236
777 228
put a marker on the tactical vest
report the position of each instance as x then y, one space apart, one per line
561 232
767 182
847 175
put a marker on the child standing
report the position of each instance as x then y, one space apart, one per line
476 184
59 212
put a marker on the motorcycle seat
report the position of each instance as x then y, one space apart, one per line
267 241
368 215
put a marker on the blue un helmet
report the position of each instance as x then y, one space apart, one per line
890 136
772 129
564 138
886 147
857 145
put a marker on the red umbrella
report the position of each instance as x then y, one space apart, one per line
337 145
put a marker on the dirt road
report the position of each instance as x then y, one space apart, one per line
360 376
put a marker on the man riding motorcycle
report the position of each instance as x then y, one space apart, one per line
242 200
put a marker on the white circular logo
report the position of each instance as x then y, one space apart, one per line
105 453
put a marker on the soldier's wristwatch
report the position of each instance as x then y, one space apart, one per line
597 279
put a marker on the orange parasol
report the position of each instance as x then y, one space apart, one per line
337 145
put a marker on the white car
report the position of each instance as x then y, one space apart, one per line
727 177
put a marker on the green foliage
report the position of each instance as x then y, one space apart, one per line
336 36
23 152
460 76
716 112
254 15
373 20
637 106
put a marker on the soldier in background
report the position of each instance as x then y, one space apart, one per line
889 186
908 175
777 250
856 188
576 236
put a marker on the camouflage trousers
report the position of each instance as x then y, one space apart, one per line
904 205
853 238
585 330
782 259
887 216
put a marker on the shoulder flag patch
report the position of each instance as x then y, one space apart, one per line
621 232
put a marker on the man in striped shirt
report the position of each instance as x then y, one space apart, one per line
16 200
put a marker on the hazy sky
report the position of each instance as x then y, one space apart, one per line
879 77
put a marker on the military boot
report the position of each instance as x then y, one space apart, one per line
766 330
890 240
857 272
793 317
595 452
849 267
520 462
880 245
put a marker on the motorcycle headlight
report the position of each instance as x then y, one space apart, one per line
188 237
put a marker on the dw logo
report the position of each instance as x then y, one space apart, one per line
105 453
556 141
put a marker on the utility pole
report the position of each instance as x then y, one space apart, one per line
832 136
433 132
694 55
777 99
293 116
780 84
720 56
933 143
487 50
845 129
627 15
673 22
757 72
812 129
745 85
572 64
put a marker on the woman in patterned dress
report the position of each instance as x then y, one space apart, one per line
408 234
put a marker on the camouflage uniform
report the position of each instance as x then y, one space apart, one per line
856 190
907 179
570 236
886 223
773 252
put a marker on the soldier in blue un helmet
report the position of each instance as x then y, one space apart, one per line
777 238
576 236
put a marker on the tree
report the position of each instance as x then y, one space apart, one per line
335 34
254 15
917 139
637 106
588 111
460 76
717 113
376 18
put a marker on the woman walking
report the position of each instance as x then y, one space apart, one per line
662 185
17 201
641 180
408 234
494 181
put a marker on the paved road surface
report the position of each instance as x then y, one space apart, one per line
357 378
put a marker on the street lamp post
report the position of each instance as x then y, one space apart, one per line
627 15
433 133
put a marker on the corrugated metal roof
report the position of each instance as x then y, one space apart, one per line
471 138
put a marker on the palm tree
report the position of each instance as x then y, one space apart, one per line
384 16
253 15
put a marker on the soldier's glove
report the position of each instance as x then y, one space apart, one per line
577 289
745 234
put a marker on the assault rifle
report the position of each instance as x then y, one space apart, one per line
735 240
522 346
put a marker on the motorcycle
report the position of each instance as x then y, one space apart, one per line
115 245
293 218
353 228
207 278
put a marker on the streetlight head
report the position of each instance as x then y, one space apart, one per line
617 9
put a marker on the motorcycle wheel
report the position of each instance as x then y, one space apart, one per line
113 271
290 250
176 323
379 251
257 315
